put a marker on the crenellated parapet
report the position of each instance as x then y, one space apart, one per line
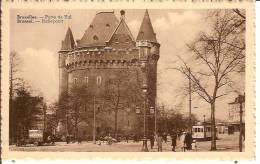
101 58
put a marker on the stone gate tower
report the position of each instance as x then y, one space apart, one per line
107 49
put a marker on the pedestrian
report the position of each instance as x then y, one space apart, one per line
126 138
53 139
174 137
67 139
164 137
182 141
152 140
159 142
188 141
79 140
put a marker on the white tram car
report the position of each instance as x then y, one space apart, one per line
202 132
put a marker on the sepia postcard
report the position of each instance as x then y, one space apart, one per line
128 80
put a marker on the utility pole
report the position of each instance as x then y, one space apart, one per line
155 119
94 121
190 126
67 122
241 100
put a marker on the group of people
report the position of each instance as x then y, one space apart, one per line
185 139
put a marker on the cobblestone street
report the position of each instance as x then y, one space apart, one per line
225 143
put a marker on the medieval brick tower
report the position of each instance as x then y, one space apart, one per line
107 59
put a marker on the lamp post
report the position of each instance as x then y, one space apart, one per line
152 111
190 126
144 147
241 100
94 120
204 125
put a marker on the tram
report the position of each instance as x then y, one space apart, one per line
202 132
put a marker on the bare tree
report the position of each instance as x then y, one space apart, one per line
119 92
79 96
218 54
52 118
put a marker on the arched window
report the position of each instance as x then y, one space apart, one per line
91 26
107 25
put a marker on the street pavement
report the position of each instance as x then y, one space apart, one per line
225 143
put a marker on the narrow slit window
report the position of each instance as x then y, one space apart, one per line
99 80
75 81
86 81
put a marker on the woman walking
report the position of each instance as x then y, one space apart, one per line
159 142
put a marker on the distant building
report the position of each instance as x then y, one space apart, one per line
106 50
234 117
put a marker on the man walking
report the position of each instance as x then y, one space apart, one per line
174 137
152 140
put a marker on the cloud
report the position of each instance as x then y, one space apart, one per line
40 70
173 32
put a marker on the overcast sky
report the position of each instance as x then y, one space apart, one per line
38 45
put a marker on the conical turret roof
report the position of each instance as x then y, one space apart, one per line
68 43
146 31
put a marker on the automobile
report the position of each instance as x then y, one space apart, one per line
36 137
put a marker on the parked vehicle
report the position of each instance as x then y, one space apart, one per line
36 137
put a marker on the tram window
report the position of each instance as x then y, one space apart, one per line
195 129
198 129
201 129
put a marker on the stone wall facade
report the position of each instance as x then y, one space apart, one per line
116 68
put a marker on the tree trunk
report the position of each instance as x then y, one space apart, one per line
115 133
213 127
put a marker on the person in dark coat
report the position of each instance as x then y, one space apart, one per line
126 138
79 140
67 139
188 141
174 137
53 139
152 140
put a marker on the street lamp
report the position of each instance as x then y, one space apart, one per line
204 125
144 147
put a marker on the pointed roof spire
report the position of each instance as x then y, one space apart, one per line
68 43
146 30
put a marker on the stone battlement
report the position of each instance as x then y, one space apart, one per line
101 58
